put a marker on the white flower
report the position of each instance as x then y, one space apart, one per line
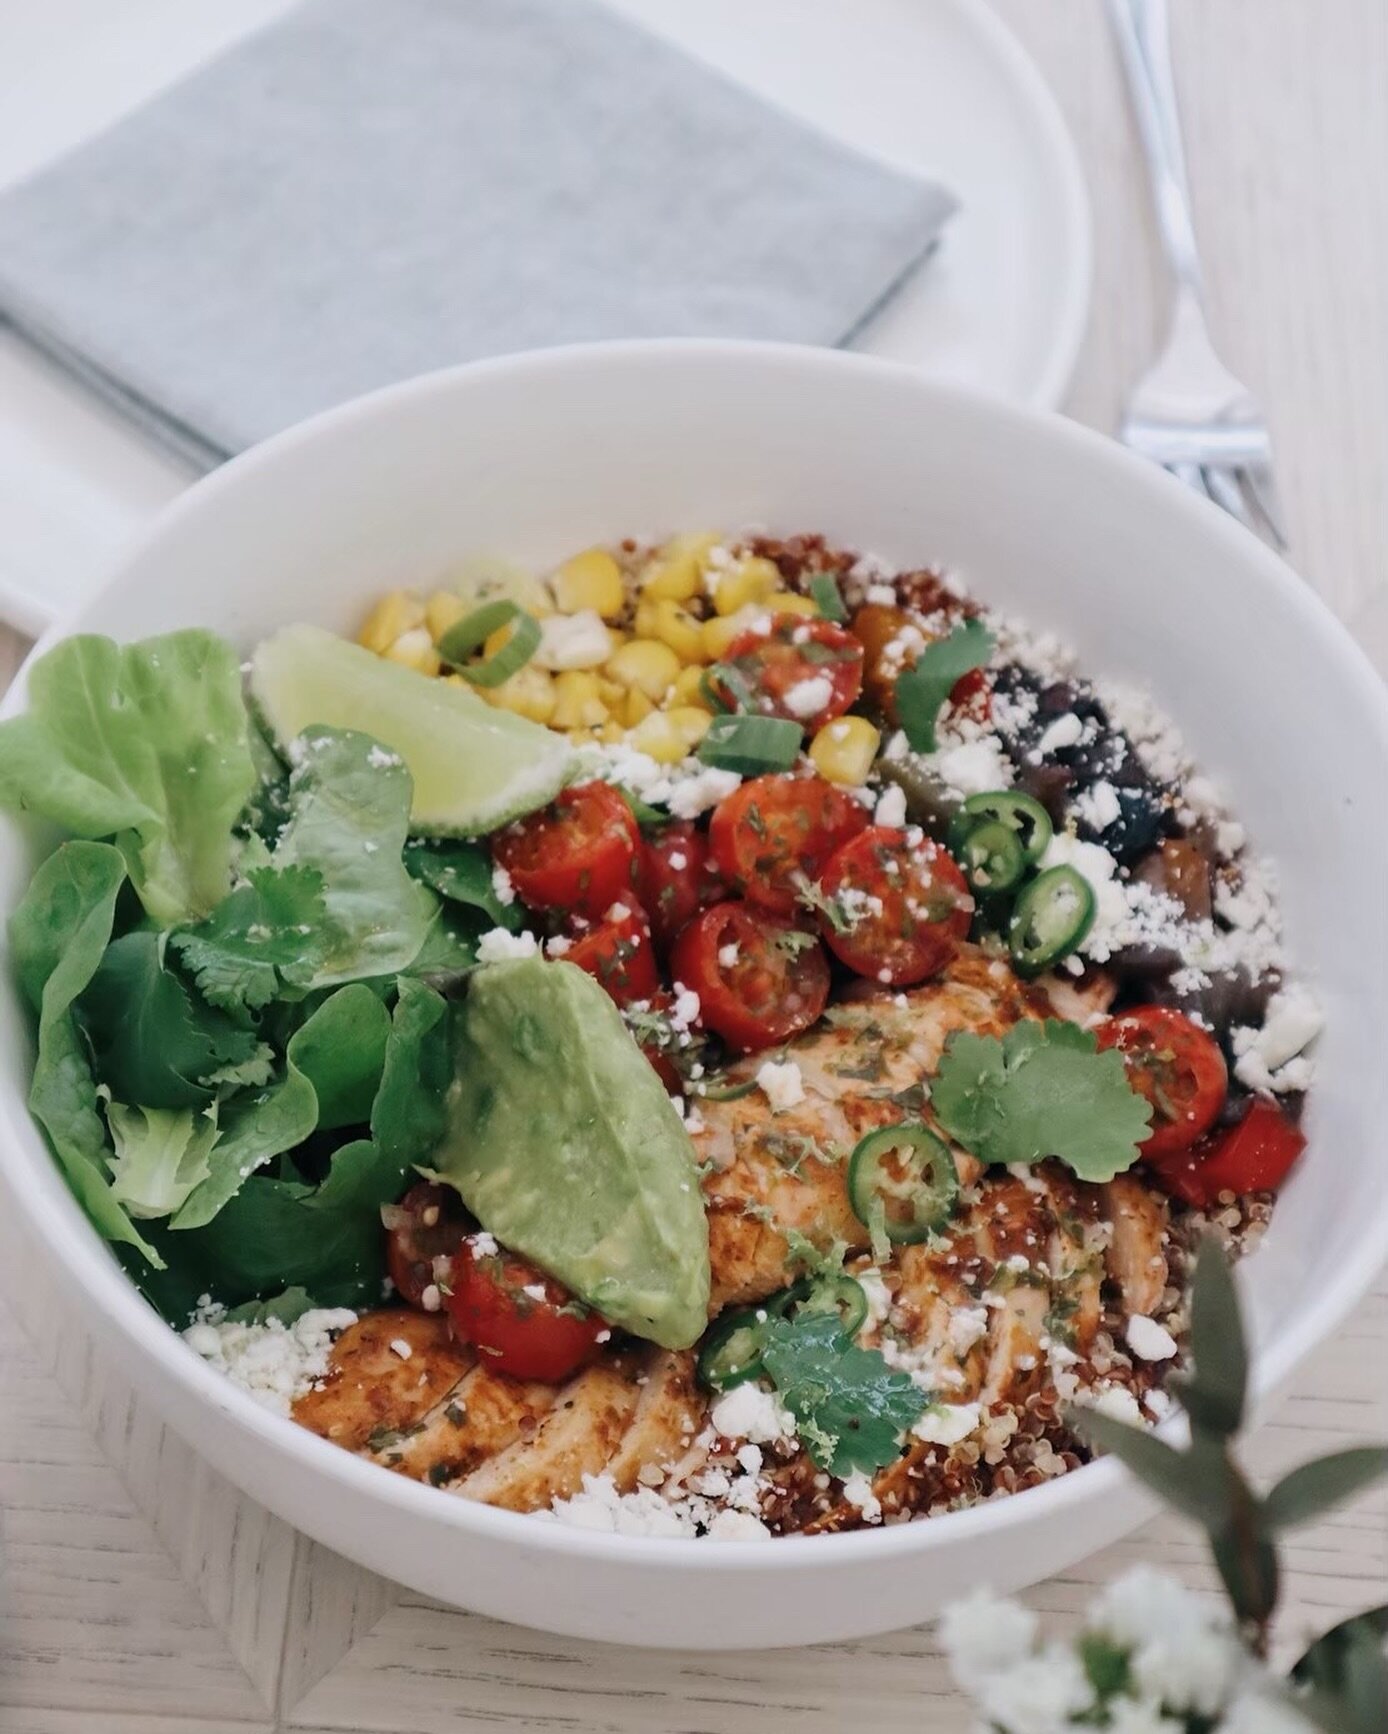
983 1634
1261 1709
1128 1716
1039 1695
1144 1604
1196 1672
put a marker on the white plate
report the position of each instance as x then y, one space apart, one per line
939 86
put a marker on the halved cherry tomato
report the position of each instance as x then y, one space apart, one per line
1256 1155
822 660
972 695
577 855
901 907
619 952
522 1321
428 1223
675 878
759 979
776 832
1177 1066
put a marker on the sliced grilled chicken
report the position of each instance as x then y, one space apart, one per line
669 1413
385 1373
483 1414
1136 1252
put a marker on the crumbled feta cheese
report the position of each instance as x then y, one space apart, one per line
483 1244
882 594
398 1346
573 641
782 1084
432 1298
737 1526
379 758
750 1412
808 697
891 807
502 888
1065 731
728 955
1271 1058
558 945
497 944
972 767
967 1326
685 1011
274 1362
698 793
1148 1340
1115 1401
879 1296
1098 806
947 1423
600 1507
857 1490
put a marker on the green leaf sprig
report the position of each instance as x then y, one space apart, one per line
921 691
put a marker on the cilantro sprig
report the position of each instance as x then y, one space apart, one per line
921 691
1043 1090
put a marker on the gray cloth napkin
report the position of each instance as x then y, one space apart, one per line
372 188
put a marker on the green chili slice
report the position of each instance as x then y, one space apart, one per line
732 1348
992 858
469 635
750 745
903 1180
825 591
842 1294
1050 919
1020 813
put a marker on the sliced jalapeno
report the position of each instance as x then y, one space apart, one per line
732 1348
1050 919
902 1179
992 858
841 1294
1020 813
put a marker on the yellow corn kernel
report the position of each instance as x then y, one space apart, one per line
689 688
750 580
578 704
634 708
659 738
676 573
790 602
678 628
611 732
689 723
843 751
719 632
593 580
442 610
529 692
611 692
415 649
646 664
393 615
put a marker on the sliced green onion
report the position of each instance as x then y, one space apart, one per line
841 1294
1020 813
708 1092
825 591
723 678
469 635
903 1178
732 1348
992 858
751 744
1051 918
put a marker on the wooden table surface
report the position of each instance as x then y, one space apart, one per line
141 1592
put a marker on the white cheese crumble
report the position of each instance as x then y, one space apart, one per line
1272 1058
891 807
1115 1401
947 1423
275 1363
705 789
497 944
972 766
807 697
573 641
752 1413
782 1084
1098 806
1065 731
378 758
728 955
398 1346
857 1490
502 888
1148 1340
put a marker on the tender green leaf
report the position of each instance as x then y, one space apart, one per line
1044 1090
922 691
351 807
449 954
286 1309
146 743
462 873
851 1408
254 1072
1195 1482
161 1155
154 1042
824 588
256 1126
272 927
341 1050
1213 1395
1343 1676
57 937
1315 1487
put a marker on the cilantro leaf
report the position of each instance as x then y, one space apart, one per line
923 689
462 872
1044 1090
850 1408
272 927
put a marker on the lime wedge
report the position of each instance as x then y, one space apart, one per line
474 767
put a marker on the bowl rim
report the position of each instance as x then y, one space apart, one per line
72 1241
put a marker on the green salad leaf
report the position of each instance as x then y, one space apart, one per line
270 931
57 936
462 873
285 1309
921 691
341 1050
1043 1090
144 743
350 809
161 1155
851 1409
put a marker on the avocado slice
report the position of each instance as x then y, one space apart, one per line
565 1146
474 767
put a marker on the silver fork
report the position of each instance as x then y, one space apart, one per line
1188 412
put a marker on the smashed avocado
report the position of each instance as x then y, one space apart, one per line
566 1147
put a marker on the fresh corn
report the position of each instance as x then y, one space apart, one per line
578 704
393 615
647 664
590 580
689 723
678 628
530 692
790 602
634 707
611 732
443 610
719 632
660 738
689 688
676 573
843 751
750 580
415 649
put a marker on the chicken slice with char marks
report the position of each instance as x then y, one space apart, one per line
371 1388
1136 1259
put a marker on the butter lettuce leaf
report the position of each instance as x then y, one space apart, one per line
146 744
161 1155
57 936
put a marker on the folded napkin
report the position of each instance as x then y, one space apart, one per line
364 191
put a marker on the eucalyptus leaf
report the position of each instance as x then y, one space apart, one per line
1246 1559
1312 1488
1196 1482
1215 1392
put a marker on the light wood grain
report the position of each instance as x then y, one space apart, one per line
143 1592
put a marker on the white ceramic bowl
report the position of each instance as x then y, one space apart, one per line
546 453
